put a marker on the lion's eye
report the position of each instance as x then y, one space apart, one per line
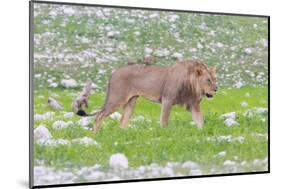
209 81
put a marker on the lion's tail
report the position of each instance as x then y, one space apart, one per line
85 114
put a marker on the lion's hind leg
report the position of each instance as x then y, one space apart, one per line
128 110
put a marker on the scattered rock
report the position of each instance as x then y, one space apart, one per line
231 115
221 154
231 122
54 104
162 53
116 116
244 104
248 51
69 83
41 134
177 56
68 115
190 165
45 116
61 124
148 51
85 121
194 172
85 141
113 34
118 161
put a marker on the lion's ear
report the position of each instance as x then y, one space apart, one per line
198 71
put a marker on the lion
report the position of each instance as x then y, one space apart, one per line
183 83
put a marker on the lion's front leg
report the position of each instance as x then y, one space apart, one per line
197 115
165 112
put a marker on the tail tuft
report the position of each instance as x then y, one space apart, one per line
81 113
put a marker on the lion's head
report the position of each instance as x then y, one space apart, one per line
202 78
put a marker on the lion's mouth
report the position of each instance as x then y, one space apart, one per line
209 95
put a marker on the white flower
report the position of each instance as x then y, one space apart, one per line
42 134
118 161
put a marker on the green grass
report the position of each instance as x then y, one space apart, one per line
146 142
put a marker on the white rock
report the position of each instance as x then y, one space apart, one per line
195 172
173 18
116 116
69 11
42 134
248 51
45 116
231 115
118 161
193 50
219 45
53 103
261 110
190 165
61 124
221 154
85 121
178 56
238 84
167 171
231 122
148 51
138 118
85 140
113 34
162 53
54 85
68 115
69 83
244 104
154 15
229 163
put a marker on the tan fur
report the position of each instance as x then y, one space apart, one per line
183 83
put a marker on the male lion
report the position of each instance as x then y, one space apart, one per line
183 83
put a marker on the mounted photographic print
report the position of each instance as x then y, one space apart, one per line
122 94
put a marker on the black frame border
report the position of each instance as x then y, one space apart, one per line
31 95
